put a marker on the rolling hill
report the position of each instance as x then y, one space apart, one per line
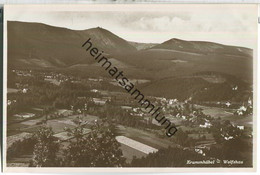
202 86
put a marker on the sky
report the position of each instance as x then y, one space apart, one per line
226 24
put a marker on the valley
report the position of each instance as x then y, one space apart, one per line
204 88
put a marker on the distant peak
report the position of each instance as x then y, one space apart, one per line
175 39
99 29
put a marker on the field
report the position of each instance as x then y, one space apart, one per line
227 114
216 112
136 145
145 137
12 90
129 153
196 136
241 120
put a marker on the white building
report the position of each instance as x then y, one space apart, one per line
228 104
99 101
94 90
242 108
235 88
249 101
241 127
228 138
24 90
206 125
9 102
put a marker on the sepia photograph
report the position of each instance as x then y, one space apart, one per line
130 87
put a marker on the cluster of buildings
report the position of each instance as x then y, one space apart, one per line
24 73
245 109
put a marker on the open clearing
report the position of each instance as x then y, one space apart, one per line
216 112
145 137
12 90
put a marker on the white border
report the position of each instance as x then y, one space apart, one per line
128 1
110 7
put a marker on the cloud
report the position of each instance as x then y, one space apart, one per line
201 22
227 24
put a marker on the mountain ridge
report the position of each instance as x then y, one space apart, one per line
208 42
37 45
204 47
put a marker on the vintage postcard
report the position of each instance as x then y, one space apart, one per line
136 88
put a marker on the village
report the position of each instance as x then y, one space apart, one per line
57 99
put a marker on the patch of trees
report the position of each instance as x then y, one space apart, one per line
199 89
45 93
183 139
21 147
225 129
234 149
220 92
98 148
45 149
120 116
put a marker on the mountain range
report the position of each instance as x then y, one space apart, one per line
36 45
